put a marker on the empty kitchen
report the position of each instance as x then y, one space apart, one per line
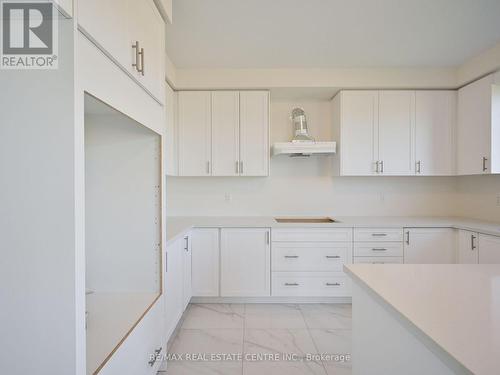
239 187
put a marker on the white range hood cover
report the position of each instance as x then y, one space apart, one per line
303 148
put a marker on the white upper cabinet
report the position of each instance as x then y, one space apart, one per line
194 116
254 133
225 133
245 262
430 246
478 145
395 125
435 133
133 34
171 134
357 116
489 249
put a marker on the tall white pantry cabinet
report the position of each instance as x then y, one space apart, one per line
121 84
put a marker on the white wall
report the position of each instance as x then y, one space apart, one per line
306 186
477 197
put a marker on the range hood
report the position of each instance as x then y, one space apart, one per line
302 144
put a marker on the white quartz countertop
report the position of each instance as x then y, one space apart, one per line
177 226
457 306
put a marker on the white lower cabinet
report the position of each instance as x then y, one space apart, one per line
310 284
489 249
143 348
245 262
378 260
468 252
187 291
430 246
205 262
173 285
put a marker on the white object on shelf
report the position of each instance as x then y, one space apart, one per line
304 148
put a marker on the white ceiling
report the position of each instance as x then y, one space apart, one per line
330 33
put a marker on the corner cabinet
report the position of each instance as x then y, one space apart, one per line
245 262
205 263
394 132
223 133
429 246
479 127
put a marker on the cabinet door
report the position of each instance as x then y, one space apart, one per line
489 249
474 126
434 133
358 146
148 28
245 262
254 133
173 286
205 263
395 128
467 247
225 133
108 23
194 133
171 134
187 291
429 246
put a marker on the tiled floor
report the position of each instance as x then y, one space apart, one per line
250 332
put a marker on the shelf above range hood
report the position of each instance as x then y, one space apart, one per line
303 148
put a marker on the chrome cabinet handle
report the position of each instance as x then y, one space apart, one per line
187 243
291 256
332 256
154 357
141 53
135 64
241 166
408 237
379 234
485 159
208 167
472 243
379 249
381 166
332 284
237 167
291 284
376 167
418 166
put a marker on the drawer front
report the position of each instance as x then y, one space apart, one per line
310 284
378 249
378 235
378 260
311 256
312 235
135 355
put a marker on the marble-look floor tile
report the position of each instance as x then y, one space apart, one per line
283 368
337 344
215 316
279 341
197 368
333 316
284 316
207 341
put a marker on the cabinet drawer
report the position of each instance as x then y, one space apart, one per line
378 234
378 249
310 256
378 260
312 235
134 355
310 284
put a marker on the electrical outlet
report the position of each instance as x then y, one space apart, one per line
382 197
228 197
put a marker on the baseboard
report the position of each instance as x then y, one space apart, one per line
289 300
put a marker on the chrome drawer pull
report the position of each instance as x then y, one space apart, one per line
291 256
379 249
379 234
332 284
333 256
291 284
154 357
